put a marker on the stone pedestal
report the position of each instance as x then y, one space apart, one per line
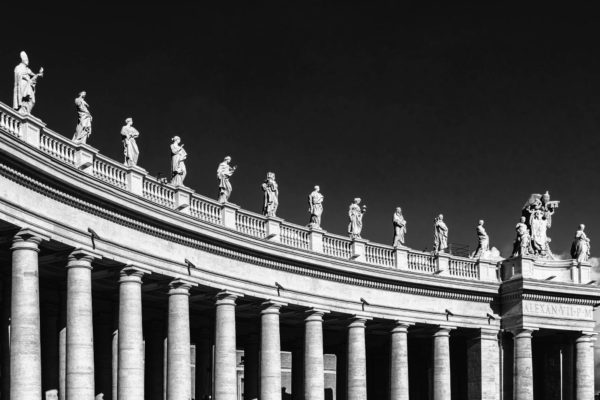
359 249
273 226
357 360
251 367
523 368
179 373
401 258
84 158
225 349
135 180
399 362
80 329
314 375
316 240
484 366
270 351
441 364
25 347
584 366
131 337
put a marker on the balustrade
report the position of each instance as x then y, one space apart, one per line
380 255
337 246
421 262
250 224
57 146
9 122
297 237
158 192
108 171
205 210
463 268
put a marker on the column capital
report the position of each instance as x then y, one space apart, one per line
488 334
315 314
358 321
522 332
180 286
82 258
587 337
401 326
443 330
132 273
28 238
227 297
271 307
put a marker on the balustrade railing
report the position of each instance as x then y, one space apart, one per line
463 268
8 122
57 146
421 262
250 224
158 192
205 209
109 171
380 255
337 246
294 236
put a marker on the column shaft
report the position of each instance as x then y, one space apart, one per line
270 352
441 364
357 360
523 370
483 358
225 347
399 362
179 374
584 367
314 375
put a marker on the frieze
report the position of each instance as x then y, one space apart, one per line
557 310
548 299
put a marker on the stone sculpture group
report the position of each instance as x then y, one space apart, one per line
531 230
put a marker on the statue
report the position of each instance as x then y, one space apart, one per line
483 248
522 245
84 120
440 237
178 156
271 195
580 250
315 208
538 211
224 172
130 147
356 215
399 227
25 82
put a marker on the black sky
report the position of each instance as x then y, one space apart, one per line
459 110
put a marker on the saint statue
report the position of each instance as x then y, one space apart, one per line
399 227
130 147
271 195
538 211
356 213
580 250
522 245
440 236
178 157
483 247
224 172
315 208
25 82
84 120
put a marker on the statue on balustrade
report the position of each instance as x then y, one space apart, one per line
315 208
130 147
25 82
522 245
538 211
580 250
483 247
224 172
399 227
84 120
178 157
440 236
271 195
356 213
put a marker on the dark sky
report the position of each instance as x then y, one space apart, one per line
460 110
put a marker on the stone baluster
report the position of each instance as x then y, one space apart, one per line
584 367
357 359
399 361
270 351
523 368
225 347
441 364
314 374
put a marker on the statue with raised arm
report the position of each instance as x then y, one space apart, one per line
25 82
315 208
580 249
355 213
130 147
399 227
178 157
522 245
538 211
271 195
224 172
440 236
483 247
84 120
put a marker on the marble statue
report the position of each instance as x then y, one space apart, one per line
483 247
84 120
356 213
224 172
580 250
271 195
538 211
25 82
399 227
130 147
522 245
440 237
178 157
315 208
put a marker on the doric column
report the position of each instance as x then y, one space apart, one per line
584 367
25 350
225 357
270 351
399 362
314 375
523 369
80 328
179 374
251 367
131 337
357 360
483 361
441 364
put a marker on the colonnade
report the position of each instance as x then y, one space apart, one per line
76 350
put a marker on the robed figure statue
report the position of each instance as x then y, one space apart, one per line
483 247
224 172
315 208
130 147
522 245
440 236
355 213
580 249
25 82
399 227
178 157
271 195
84 119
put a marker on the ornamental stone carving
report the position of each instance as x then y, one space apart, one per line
271 195
84 120
178 157
580 249
25 83
440 235
224 172
315 208
355 213
130 148
399 227
483 246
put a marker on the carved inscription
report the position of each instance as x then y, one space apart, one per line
557 310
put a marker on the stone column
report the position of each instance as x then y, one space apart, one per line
225 358
251 367
441 364
357 360
179 374
5 337
203 364
80 329
25 350
270 351
483 358
523 369
314 375
62 348
115 364
399 362
584 367
131 337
